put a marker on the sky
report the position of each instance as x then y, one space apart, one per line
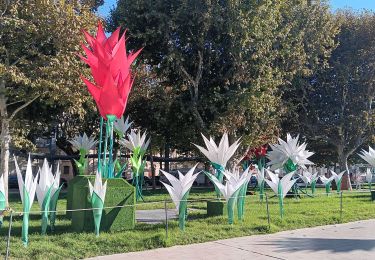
355 4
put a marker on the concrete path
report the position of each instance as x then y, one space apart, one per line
154 216
354 240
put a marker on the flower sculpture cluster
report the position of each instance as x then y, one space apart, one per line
47 193
287 155
110 66
47 188
369 157
179 191
231 189
138 145
235 187
219 155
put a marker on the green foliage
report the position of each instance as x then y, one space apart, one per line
335 105
217 66
38 58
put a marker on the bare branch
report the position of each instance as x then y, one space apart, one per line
22 107
15 102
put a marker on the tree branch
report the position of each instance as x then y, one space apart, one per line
22 107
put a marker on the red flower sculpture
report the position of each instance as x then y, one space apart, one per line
258 152
110 68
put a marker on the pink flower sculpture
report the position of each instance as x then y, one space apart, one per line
110 68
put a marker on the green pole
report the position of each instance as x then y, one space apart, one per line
100 146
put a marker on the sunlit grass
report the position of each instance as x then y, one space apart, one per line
64 243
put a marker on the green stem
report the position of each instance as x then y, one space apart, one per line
281 200
313 187
328 188
220 176
111 150
261 190
230 208
25 222
105 151
100 145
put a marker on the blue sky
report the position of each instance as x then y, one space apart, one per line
355 4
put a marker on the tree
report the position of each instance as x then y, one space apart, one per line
335 104
226 63
38 45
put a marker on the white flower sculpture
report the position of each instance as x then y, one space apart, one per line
179 191
27 190
338 179
368 156
97 193
219 154
327 182
83 142
47 192
122 126
289 154
280 187
136 140
231 188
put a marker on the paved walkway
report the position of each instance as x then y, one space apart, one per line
354 240
154 216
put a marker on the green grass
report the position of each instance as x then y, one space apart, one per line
64 243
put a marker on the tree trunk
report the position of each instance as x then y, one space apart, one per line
4 146
343 162
152 169
166 155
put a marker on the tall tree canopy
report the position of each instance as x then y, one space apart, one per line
223 65
335 105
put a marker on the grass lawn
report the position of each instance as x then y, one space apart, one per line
64 243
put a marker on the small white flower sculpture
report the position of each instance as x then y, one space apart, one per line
179 191
327 182
121 126
234 182
47 193
368 156
2 198
338 179
219 155
138 145
289 155
83 144
136 141
280 187
97 193
27 190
